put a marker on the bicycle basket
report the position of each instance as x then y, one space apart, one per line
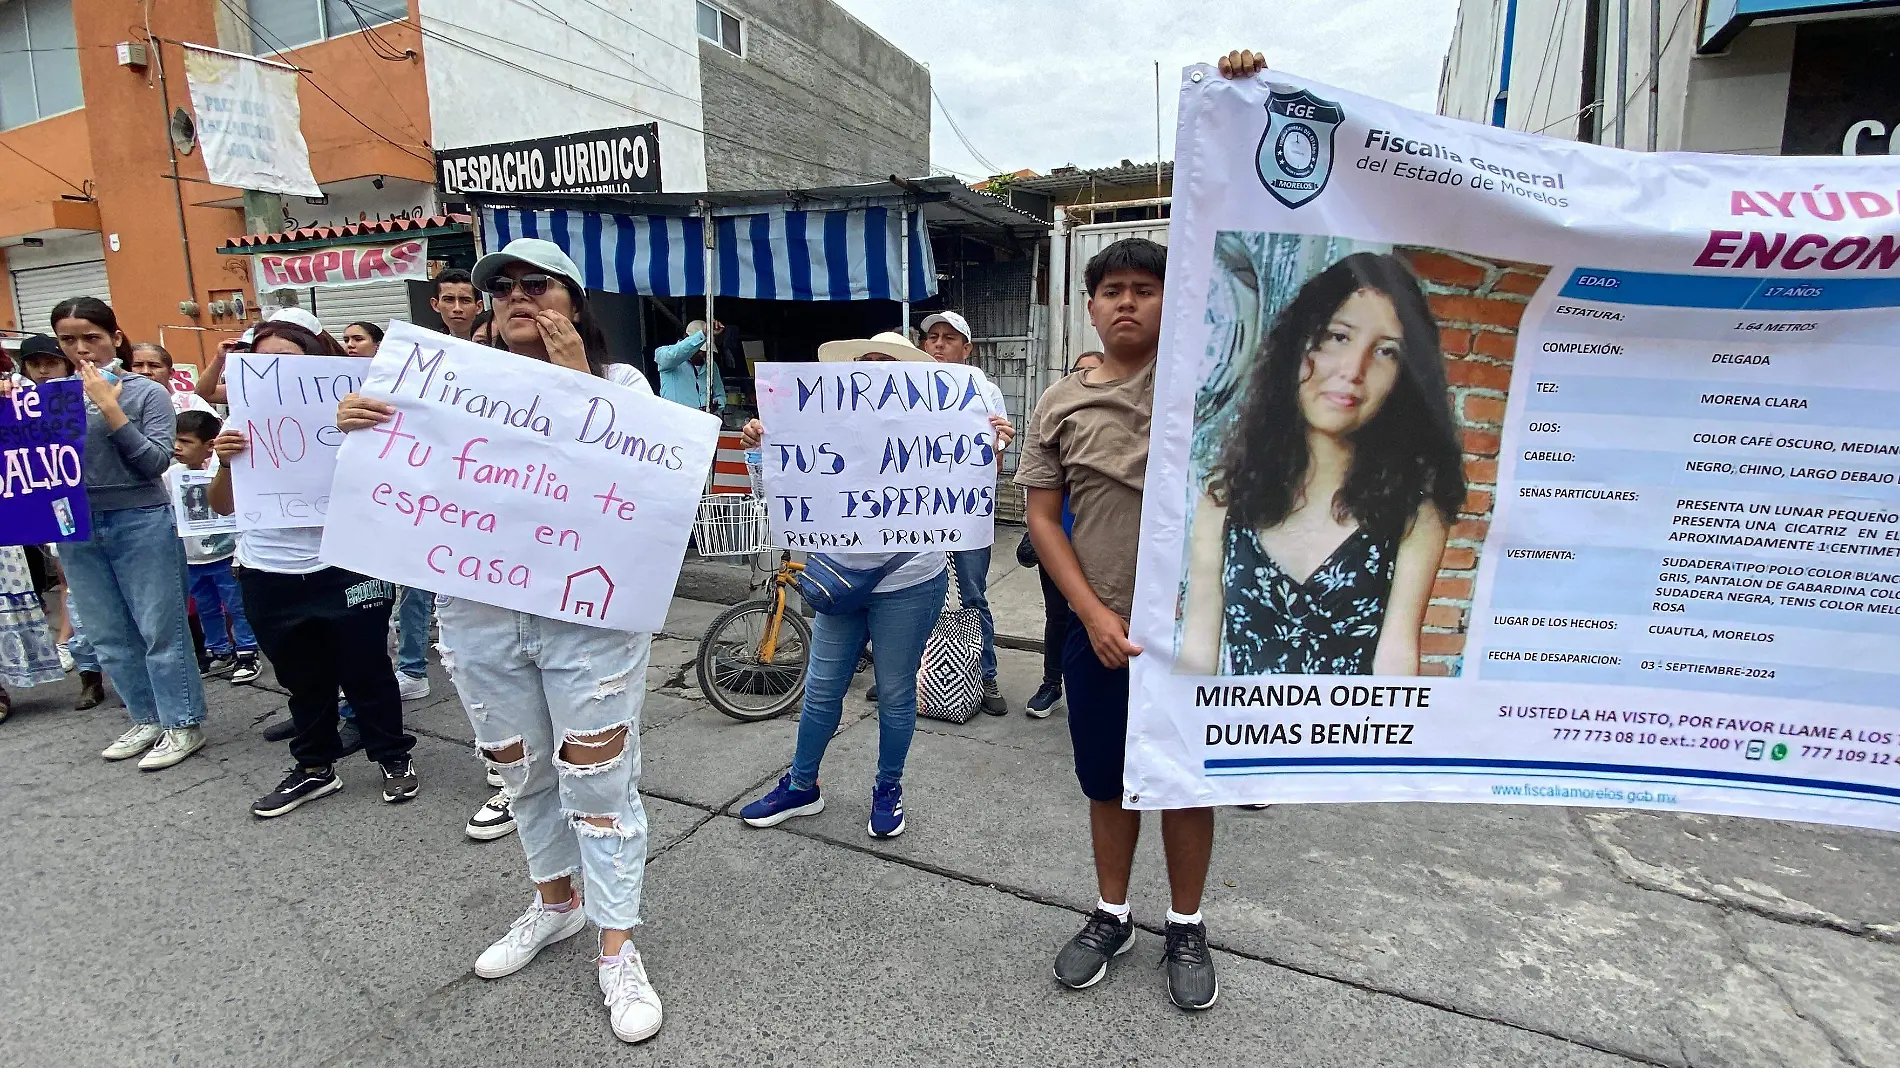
730 524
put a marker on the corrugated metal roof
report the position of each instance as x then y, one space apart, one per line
1134 174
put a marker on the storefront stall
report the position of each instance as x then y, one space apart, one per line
790 269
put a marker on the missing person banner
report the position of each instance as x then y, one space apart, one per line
42 452
286 407
508 481
249 122
877 456
1494 468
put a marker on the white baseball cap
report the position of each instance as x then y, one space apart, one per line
956 322
297 317
532 251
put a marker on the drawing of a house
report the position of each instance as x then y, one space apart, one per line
588 593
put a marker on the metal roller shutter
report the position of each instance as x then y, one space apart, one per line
37 289
378 303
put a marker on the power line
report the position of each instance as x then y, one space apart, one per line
278 49
958 130
68 183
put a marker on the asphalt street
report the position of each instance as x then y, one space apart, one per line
152 921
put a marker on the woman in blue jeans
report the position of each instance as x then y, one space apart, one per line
129 581
902 610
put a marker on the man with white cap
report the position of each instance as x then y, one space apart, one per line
947 340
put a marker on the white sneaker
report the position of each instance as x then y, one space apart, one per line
173 746
532 931
495 780
632 1004
133 742
412 687
65 658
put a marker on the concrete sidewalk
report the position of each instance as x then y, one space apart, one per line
152 921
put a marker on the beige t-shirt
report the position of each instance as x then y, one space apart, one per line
1092 440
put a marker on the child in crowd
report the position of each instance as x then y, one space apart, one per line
214 589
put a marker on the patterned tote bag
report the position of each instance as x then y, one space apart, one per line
949 681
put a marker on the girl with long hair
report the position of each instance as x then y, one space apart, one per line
1318 534
556 705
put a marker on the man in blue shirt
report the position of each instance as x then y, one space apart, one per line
684 368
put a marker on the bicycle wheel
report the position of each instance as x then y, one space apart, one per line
734 677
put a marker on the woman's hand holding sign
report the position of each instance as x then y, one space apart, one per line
357 412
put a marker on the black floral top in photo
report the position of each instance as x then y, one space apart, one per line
1327 625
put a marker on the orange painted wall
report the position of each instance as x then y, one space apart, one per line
60 154
119 143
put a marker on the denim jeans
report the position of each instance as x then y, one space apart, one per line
129 583
214 589
85 657
414 609
973 577
545 685
897 623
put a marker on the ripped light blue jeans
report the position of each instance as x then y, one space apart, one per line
570 696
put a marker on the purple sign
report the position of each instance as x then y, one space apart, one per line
42 487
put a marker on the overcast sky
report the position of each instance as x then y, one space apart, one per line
1042 83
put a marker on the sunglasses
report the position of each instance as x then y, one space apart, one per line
531 284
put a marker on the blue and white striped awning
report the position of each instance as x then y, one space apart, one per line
846 254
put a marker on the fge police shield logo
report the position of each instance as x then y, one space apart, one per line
1296 152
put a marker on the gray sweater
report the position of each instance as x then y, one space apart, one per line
125 468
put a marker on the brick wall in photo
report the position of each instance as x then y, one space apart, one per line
1479 303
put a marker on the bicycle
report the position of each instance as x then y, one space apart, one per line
754 655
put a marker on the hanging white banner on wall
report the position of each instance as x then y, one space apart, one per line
1494 468
249 122
339 266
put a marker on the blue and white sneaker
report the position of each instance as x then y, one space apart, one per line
782 804
887 810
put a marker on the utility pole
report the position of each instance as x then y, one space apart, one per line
263 212
1655 67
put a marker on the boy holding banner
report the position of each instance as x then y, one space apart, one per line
1088 439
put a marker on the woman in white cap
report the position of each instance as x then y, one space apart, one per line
897 618
549 700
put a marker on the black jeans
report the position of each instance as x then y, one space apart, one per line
321 631
1055 627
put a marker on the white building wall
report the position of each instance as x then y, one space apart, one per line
1728 103
508 73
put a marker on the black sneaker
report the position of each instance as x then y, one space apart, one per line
281 732
993 702
1084 961
1191 982
301 785
870 695
399 780
217 664
1045 701
348 737
245 669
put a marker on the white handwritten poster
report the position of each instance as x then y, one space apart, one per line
877 457
518 484
286 407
